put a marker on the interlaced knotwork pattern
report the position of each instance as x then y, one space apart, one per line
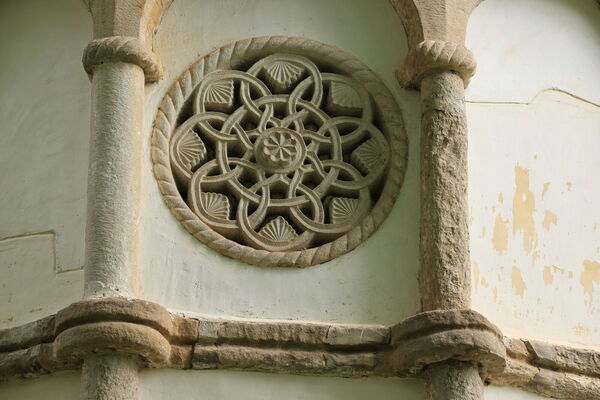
285 151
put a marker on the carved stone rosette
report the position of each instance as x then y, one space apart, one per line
279 151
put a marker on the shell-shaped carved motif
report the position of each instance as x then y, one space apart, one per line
343 99
367 156
219 96
278 230
341 209
190 150
216 205
276 151
282 75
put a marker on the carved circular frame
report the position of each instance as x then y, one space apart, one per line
240 52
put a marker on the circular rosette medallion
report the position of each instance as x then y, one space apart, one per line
279 151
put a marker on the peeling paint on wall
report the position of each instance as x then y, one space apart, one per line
542 140
523 208
548 277
500 236
549 219
517 282
545 189
589 276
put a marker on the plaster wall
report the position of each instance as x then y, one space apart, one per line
44 112
377 282
214 385
58 386
534 133
503 393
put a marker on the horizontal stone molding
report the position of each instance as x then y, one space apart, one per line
291 361
114 309
125 49
292 347
174 328
295 334
31 362
436 336
556 384
568 359
78 342
27 335
127 325
550 369
434 55
202 342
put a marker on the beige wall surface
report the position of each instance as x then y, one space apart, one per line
44 112
377 282
534 132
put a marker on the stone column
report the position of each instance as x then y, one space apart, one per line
118 67
445 280
453 380
113 181
442 70
105 377
104 330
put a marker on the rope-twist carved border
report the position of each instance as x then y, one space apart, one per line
122 49
234 54
432 55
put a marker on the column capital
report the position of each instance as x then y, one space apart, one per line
122 49
436 31
123 32
436 55
135 18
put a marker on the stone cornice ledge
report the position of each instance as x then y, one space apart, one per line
168 340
